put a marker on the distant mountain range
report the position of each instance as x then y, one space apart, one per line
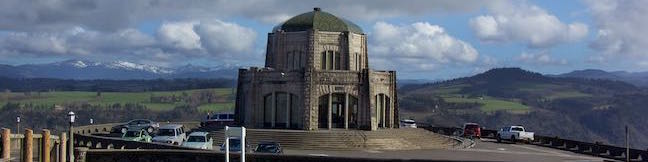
636 78
569 107
116 70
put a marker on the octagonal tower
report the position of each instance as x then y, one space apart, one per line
316 76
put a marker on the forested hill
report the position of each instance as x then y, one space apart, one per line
576 108
46 84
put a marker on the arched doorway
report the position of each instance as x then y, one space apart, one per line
338 110
383 111
281 110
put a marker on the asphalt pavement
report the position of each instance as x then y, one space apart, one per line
484 150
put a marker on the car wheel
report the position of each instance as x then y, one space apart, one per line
498 138
513 139
149 129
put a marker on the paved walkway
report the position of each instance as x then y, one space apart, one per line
484 150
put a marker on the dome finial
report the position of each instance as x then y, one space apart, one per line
317 9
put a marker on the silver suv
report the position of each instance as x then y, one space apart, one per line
171 134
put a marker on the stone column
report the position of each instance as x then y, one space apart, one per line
45 146
383 110
28 143
391 114
288 103
346 111
329 109
6 144
273 110
62 147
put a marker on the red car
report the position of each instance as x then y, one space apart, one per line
471 130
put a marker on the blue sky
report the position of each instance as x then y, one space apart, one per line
435 39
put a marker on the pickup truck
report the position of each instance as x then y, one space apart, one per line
513 134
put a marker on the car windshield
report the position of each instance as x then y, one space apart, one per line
166 132
517 129
196 139
409 122
266 148
472 126
132 134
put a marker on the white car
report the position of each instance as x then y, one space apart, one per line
514 133
171 134
199 140
408 123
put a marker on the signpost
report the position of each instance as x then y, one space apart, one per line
235 132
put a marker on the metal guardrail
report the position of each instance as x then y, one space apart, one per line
593 149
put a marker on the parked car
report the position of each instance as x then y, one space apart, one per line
235 145
408 123
199 140
513 134
219 120
171 134
471 130
137 135
148 125
269 147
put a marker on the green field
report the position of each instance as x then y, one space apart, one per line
491 104
224 96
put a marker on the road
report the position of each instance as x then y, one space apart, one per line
484 150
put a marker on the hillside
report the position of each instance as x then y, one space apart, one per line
636 78
576 108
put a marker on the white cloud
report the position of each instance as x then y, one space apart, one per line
222 37
519 21
179 35
173 41
118 14
417 46
621 29
540 58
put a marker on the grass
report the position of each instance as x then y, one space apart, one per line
217 107
552 91
491 104
109 98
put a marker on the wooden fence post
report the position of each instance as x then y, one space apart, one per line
6 144
28 146
45 146
62 147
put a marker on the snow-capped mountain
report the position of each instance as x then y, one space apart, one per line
117 70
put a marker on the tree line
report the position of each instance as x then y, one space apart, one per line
48 84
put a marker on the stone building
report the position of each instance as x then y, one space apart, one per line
317 76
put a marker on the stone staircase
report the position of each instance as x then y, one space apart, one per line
384 139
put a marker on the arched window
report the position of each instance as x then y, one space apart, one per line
331 60
294 60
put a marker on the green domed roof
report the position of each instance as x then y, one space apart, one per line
320 20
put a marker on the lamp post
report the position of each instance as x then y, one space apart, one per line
18 124
71 144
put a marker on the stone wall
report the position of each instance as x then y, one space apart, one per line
209 156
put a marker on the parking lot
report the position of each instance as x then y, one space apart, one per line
484 150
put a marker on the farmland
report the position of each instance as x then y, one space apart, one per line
208 100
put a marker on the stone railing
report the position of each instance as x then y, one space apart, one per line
594 149
94 137
30 147
207 156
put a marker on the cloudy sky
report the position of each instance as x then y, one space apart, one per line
421 39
